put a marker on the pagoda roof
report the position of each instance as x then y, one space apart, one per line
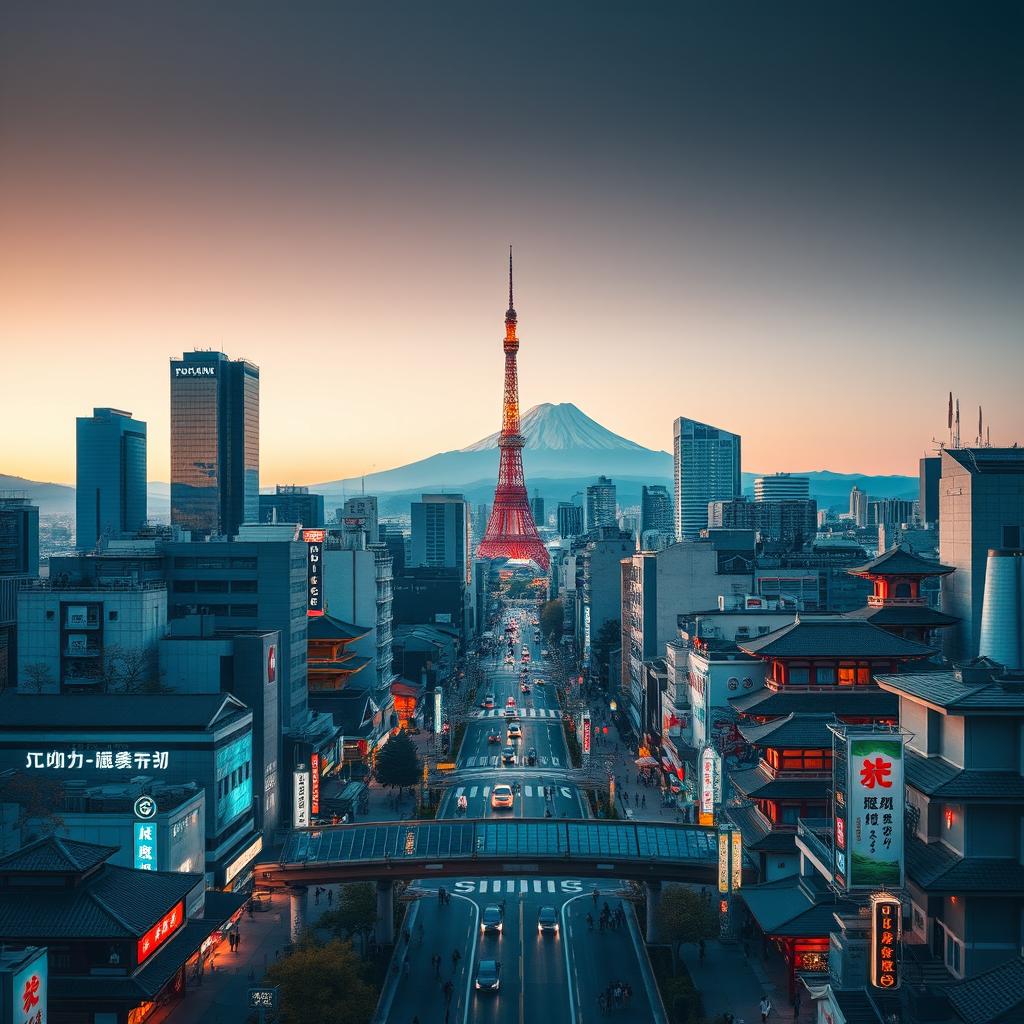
832 636
352 663
845 701
903 616
51 854
795 906
327 627
900 562
759 784
995 997
807 731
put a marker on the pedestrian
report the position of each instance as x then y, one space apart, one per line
590 922
330 896
440 894
765 1007
456 957
316 895
595 894
644 802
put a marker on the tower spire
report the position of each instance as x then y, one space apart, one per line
510 315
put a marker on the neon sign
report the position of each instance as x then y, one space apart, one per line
161 931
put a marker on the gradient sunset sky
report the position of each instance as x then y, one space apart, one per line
799 222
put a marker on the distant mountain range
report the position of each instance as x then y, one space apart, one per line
565 450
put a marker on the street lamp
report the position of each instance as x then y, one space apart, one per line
613 704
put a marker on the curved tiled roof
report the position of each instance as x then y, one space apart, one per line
51 854
840 700
900 562
795 730
832 636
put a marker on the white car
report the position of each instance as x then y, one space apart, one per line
511 713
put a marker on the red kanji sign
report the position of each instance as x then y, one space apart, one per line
30 997
876 772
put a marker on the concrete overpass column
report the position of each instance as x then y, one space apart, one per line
386 913
653 901
297 911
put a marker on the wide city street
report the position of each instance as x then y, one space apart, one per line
551 965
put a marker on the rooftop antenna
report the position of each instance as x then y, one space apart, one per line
956 435
949 419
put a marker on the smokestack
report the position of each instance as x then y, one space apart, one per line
1002 613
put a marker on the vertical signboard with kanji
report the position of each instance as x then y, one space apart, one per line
587 725
885 939
314 784
840 780
710 784
314 570
300 797
873 828
145 846
28 992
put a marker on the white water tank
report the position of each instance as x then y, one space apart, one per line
1002 613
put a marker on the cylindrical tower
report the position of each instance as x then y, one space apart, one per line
1002 613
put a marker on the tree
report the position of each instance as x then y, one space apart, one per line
37 677
399 764
323 985
551 619
685 916
355 914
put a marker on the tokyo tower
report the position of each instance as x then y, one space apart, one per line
511 531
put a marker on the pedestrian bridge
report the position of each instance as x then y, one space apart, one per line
489 847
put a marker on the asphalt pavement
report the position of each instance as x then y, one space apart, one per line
549 977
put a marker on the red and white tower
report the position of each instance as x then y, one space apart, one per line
511 531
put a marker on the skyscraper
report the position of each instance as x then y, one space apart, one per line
569 518
215 443
981 507
537 508
707 468
655 508
859 506
440 532
600 504
929 471
110 495
782 487
292 504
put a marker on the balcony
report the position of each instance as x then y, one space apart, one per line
815 835
82 651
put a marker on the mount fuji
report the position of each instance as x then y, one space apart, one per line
563 445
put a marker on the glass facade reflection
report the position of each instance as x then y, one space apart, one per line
215 443
110 499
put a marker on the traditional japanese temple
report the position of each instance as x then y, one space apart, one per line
331 663
821 670
898 603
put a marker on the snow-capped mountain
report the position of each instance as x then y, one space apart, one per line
560 428
562 443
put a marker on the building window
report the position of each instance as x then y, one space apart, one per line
212 586
863 676
799 676
954 955
825 675
184 586
243 611
847 675
50 615
243 586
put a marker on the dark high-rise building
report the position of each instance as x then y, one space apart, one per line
707 468
928 497
19 558
655 508
292 504
981 506
600 504
537 507
215 443
569 517
440 532
110 496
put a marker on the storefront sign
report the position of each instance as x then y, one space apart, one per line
161 931
28 992
145 808
145 846
737 859
438 712
272 663
723 862
300 797
586 732
314 540
885 939
263 998
870 836
314 784
710 781
243 860
113 760
76 615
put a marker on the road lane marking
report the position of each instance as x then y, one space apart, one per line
536 885
529 790
551 885
472 791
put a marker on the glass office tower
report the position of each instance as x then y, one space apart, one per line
707 468
215 443
110 497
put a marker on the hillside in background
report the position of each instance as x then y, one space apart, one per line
565 450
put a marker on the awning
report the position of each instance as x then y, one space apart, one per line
645 762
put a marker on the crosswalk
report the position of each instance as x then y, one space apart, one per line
521 713
472 792
491 761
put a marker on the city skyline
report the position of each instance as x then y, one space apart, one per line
802 223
